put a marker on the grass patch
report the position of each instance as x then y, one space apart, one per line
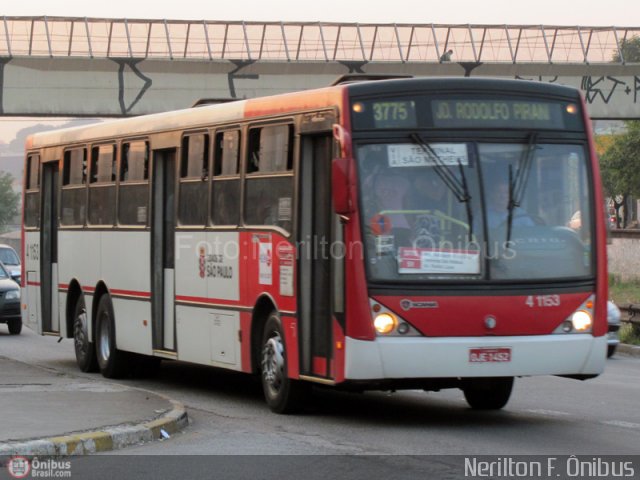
623 292
630 334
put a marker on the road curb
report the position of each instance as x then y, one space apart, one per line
104 439
630 350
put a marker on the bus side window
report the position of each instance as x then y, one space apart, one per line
73 201
102 185
194 172
32 194
269 187
133 191
225 195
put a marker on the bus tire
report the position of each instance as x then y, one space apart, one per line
282 394
112 362
84 348
488 393
15 326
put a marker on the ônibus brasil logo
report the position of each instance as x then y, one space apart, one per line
19 467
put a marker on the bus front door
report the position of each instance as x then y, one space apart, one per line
49 321
162 250
321 275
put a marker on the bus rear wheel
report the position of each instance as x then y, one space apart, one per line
282 394
112 362
487 393
84 348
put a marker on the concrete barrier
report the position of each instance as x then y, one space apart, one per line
624 255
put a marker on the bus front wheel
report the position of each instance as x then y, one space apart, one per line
487 393
112 362
84 348
282 394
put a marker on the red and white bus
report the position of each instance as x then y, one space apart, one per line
405 233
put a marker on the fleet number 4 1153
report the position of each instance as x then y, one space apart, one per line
543 301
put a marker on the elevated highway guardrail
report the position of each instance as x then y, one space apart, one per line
114 67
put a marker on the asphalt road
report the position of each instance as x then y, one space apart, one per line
546 415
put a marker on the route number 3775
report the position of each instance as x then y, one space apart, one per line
543 301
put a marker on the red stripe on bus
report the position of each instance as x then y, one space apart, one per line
217 301
65 286
132 293
33 284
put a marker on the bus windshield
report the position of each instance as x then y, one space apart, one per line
476 211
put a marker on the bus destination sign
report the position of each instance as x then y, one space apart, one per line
472 113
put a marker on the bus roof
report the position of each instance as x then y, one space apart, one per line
190 117
461 84
186 118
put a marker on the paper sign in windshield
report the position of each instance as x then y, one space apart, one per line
438 261
412 155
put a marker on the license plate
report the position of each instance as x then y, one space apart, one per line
484 355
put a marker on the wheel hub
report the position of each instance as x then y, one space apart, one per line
80 333
105 348
273 362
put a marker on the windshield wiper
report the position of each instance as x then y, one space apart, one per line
459 188
518 184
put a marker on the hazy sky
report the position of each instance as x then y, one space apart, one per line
550 12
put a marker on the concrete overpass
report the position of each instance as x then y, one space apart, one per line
61 66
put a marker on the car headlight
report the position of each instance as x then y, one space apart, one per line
12 295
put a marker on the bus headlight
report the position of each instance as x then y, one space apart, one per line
385 322
581 321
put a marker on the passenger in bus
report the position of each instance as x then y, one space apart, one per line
384 204
575 222
428 193
498 207
428 205
390 189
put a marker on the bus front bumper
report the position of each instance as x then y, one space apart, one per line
451 357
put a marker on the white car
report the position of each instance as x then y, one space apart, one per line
613 318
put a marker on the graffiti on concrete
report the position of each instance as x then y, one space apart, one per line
233 75
601 89
539 78
147 82
605 87
353 66
469 67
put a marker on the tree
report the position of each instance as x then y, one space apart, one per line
620 166
620 163
630 49
8 200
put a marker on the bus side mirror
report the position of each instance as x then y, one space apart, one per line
341 186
